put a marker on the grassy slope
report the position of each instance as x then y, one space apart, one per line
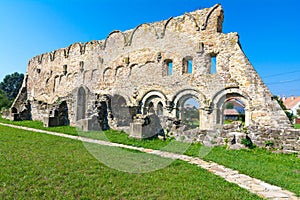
39 125
278 169
39 166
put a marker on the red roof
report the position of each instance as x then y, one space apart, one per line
231 112
290 102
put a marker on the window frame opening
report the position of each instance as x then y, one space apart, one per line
187 65
168 67
213 64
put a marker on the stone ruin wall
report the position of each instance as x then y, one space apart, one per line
132 64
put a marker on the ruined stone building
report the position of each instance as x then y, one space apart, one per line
153 68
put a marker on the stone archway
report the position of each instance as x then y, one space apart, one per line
233 109
222 97
187 106
188 112
155 100
182 97
121 112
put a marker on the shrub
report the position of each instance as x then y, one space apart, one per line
248 142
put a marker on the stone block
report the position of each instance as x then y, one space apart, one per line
89 124
50 121
136 130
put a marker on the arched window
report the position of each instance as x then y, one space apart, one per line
189 112
233 110
160 109
108 76
151 107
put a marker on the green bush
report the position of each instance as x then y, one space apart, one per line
247 142
269 143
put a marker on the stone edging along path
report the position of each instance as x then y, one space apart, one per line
253 185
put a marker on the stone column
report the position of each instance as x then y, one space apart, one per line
247 116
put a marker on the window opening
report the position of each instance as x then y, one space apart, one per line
170 68
213 67
190 66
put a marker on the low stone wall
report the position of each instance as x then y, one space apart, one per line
285 139
232 135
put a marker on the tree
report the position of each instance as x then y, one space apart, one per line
11 85
4 101
288 114
229 105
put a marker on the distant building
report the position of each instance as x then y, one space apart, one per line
231 114
292 104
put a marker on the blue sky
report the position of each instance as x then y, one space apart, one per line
269 30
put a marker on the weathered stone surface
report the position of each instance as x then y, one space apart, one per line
146 71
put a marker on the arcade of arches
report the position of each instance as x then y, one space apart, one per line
189 107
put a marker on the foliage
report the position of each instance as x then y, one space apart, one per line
229 105
39 125
275 168
227 121
11 85
297 126
288 114
280 102
269 143
40 166
191 117
247 142
285 166
4 101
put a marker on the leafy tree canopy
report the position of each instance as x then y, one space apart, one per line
11 85
229 105
4 101
288 114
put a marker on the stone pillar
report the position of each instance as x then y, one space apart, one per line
173 113
208 118
204 119
247 116
201 120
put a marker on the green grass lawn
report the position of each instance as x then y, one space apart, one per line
275 168
39 125
279 169
297 126
40 166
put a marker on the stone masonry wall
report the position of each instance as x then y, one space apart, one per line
287 140
133 66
